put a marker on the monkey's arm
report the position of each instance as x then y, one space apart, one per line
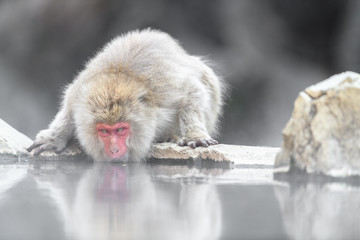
193 128
60 131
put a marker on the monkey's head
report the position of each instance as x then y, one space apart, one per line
115 119
114 138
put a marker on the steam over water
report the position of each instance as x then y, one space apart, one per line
267 51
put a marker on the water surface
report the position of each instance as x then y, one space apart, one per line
84 200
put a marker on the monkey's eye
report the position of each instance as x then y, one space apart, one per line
119 130
104 131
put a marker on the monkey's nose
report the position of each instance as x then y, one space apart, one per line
114 150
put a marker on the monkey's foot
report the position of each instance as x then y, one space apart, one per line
197 142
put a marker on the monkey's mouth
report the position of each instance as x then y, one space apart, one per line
117 155
120 155
116 152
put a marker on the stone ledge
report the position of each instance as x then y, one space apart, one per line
238 155
14 143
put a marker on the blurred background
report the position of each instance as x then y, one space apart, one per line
267 51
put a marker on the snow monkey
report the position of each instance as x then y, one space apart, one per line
141 88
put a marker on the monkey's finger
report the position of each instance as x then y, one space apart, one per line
43 148
212 142
202 143
182 143
33 146
59 149
192 144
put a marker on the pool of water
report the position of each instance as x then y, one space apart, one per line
84 200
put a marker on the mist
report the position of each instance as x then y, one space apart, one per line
266 51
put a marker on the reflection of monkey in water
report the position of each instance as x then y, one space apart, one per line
141 88
114 186
136 201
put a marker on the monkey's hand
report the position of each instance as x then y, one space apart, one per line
197 142
194 132
48 140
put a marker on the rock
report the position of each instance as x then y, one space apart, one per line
323 133
12 142
238 155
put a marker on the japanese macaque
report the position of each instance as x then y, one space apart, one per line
143 87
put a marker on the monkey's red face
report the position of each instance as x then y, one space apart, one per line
114 138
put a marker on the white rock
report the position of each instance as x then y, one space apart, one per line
323 134
12 141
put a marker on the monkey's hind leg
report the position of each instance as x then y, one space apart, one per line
193 128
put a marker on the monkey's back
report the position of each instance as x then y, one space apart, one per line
146 82
166 69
